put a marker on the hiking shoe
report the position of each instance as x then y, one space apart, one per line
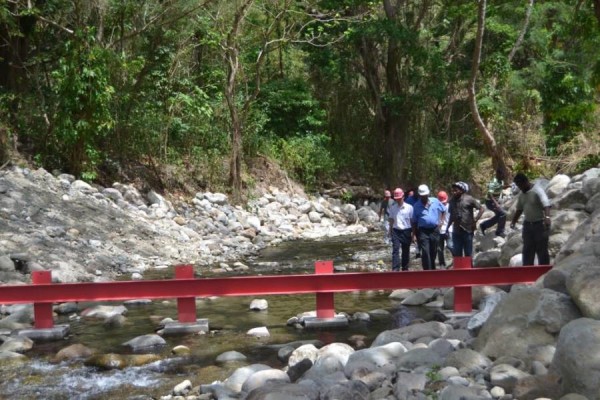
482 229
501 234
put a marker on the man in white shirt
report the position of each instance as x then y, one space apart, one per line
400 217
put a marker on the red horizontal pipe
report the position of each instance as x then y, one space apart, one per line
266 285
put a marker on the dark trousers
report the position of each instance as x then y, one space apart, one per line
498 218
428 243
462 243
535 241
400 241
444 241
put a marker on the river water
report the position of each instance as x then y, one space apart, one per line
229 320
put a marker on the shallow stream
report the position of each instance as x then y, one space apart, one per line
229 320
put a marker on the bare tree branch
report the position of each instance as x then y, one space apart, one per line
495 152
63 28
513 51
156 18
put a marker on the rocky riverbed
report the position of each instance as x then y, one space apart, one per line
87 233
527 343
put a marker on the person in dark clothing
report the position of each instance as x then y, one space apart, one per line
535 205
492 202
462 220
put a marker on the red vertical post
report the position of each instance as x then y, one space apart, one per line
462 295
186 306
325 307
42 312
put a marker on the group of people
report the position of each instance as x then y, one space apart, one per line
434 223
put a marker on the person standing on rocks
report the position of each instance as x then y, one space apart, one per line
535 205
384 215
412 196
492 202
462 207
428 218
445 231
400 230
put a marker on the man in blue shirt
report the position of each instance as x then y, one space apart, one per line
428 217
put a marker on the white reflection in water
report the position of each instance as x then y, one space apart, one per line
69 381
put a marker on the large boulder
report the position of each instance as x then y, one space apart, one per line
467 360
573 199
512 247
490 258
563 225
330 360
487 306
373 358
557 185
587 254
574 242
411 333
278 390
478 293
583 285
576 358
525 318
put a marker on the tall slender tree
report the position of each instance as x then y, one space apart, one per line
495 151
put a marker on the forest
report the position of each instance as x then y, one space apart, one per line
390 92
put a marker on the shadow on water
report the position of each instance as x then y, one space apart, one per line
229 319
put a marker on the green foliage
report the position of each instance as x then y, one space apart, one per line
449 161
568 105
433 375
83 95
306 157
589 161
347 196
291 108
131 82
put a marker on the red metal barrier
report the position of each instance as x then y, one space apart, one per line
325 307
186 306
42 311
462 295
324 284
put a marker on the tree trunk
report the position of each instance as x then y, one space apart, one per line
233 64
496 152
392 122
597 10
4 147
235 175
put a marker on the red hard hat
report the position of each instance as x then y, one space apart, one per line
387 193
398 193
442 196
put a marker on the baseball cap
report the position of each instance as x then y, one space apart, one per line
442 196
423 190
